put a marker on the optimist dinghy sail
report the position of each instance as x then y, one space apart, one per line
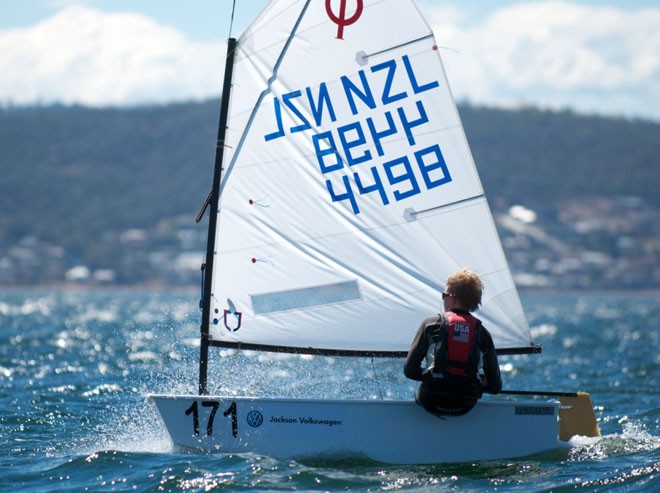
342 186
346 187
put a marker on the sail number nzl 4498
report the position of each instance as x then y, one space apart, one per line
363 131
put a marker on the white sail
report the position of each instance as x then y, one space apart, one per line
348 195
349 192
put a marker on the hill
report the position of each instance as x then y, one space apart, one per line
538 157
76 181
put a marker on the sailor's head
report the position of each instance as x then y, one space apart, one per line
463 289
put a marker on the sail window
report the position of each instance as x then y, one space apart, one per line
327 294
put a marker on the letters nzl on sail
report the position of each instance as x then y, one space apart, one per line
351 120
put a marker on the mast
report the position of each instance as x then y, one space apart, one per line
213 200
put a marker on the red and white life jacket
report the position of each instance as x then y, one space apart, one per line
459 353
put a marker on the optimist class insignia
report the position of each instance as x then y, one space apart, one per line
341 20
232 320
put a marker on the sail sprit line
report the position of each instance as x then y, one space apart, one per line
362 58
411 214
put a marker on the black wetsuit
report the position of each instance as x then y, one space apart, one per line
442 392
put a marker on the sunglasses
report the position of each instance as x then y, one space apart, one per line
446 295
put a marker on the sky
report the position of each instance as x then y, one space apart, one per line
591 56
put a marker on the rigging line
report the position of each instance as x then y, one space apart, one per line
373 367
231 22
415 213
412 41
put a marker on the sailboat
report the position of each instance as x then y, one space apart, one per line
342 186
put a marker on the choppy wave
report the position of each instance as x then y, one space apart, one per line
75 369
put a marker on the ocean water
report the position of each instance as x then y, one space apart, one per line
75 367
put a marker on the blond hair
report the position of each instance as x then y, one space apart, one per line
467 287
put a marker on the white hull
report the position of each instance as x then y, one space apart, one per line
396 432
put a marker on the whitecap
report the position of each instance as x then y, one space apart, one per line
103 389
143 356
104 315
633 439
63 389
544 330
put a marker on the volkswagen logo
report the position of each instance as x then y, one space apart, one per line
254 419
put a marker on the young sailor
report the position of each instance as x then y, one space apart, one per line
456 347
